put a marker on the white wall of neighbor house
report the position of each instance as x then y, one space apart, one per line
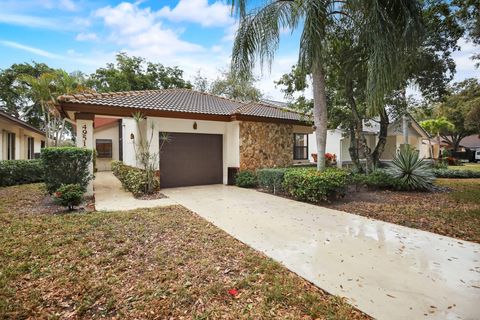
335 144
229 130
107 132
21 138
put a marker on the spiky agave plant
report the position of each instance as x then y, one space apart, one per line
412 172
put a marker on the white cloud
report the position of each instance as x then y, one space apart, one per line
140 30
465 66
86 36
27 20
67 5
199 11
33 50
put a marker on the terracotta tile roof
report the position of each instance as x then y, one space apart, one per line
181 100
265 110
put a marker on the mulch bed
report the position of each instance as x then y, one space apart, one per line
159 263
451 211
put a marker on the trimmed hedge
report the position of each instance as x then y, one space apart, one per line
246 179
378 179
459 174
133 179
13 172
271 179
66 165
314 186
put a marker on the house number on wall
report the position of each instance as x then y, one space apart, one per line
84 135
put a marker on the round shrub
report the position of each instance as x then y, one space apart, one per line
246 179
66 165
69 195
314 186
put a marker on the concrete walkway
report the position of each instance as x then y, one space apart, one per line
110 196
386 270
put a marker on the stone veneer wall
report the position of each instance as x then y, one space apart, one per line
265 145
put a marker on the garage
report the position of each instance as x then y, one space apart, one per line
190 159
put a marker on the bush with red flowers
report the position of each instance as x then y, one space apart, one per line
330 159
69 195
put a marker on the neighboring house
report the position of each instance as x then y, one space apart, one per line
468 148
338 141
18 139
207 134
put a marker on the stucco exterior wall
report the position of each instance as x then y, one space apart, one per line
265 145
107 132
21 136
229 131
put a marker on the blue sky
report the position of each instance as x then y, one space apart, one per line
195 35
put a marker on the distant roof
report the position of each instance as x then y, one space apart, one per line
185 101
19 122
471 142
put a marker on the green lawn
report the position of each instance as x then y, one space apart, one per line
144 264
466 166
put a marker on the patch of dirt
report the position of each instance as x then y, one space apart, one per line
153 196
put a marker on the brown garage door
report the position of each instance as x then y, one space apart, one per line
189 159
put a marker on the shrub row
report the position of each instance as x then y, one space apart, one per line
314 186
66 165
305 184
461 174
271 179
378 179
13 172
133 179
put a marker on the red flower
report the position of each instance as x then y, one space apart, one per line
58 194
233 292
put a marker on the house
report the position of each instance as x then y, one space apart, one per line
338 141
468 148
208 136
18 139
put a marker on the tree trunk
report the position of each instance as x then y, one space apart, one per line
320 113
356 129
354 148
430 148
382 138
439 151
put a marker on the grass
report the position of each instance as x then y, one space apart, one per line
455 213
466 166
143 264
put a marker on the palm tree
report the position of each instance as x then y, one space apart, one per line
435 127
44 90
389 29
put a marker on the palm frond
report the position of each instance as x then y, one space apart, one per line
258 35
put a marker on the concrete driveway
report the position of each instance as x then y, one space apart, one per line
386 270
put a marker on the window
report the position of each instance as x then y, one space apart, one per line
42 144
10 146
30 152
300 146
104 148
